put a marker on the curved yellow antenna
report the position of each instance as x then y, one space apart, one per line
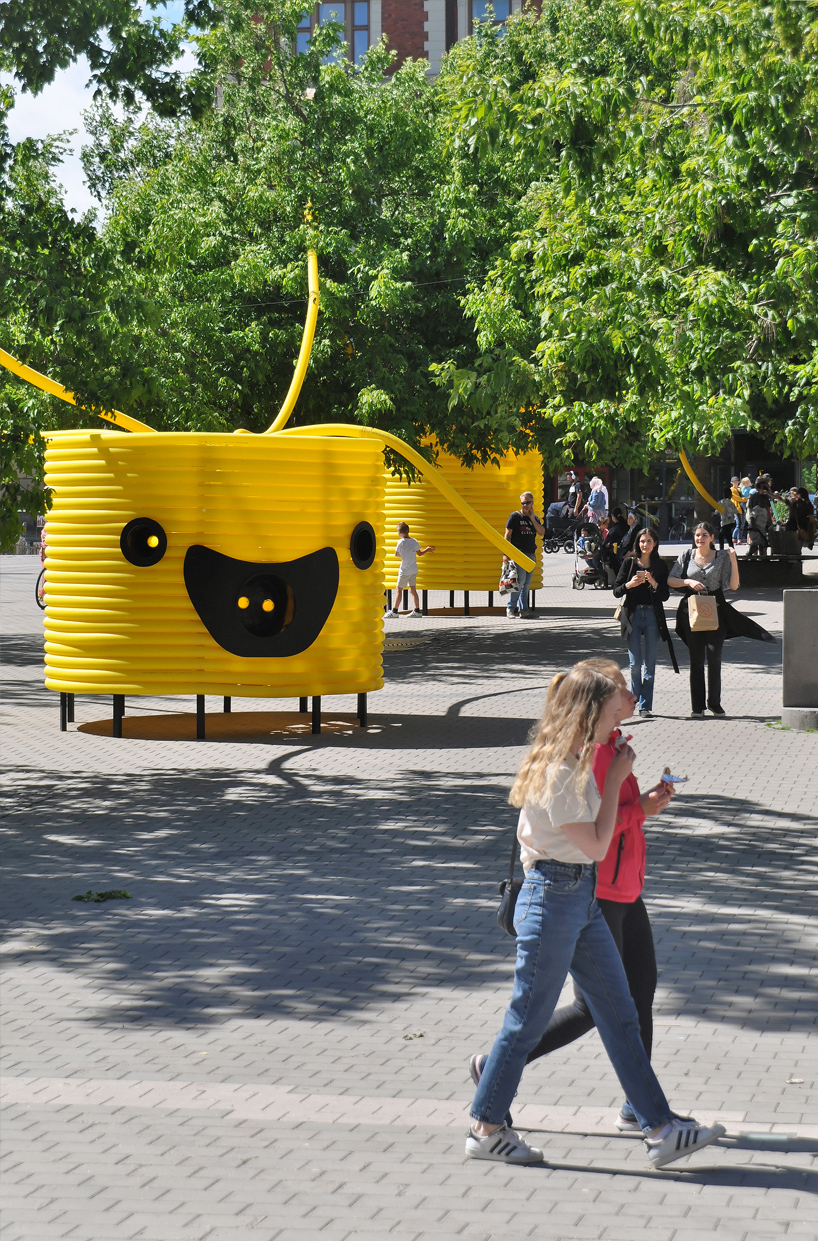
54 389
306 346
350 431
688 469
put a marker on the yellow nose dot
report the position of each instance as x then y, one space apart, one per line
244 602
153 541
268 605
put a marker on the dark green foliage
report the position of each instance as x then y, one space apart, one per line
97 898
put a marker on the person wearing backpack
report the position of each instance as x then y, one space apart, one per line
727 520
759 520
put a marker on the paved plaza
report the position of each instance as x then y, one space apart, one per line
270 1039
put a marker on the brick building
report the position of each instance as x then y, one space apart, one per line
420 29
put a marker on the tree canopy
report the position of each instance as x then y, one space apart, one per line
596 234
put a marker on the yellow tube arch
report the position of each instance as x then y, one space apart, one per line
688 469
54 389
306 347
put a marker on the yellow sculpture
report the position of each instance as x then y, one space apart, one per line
204 563
463 559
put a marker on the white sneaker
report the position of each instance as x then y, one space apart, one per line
679 1141
416 612
503 1146
394 612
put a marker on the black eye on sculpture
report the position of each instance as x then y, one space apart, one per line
143 542
362 545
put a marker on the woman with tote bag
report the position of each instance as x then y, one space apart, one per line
705 619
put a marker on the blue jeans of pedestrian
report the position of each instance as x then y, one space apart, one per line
645 630
518 599
560 929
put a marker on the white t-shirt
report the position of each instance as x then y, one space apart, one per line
539 830
408 550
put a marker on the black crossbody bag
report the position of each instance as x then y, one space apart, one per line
509 890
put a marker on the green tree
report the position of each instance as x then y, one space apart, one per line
131 55
658 281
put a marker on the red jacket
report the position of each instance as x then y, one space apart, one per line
622 871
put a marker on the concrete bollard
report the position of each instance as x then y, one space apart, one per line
800 659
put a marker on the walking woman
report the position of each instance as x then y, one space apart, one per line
620 877
699 570
642 585
565 826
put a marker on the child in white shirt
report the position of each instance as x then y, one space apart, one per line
407 552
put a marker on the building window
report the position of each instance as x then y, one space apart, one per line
360 30
302 38
353 15
480 11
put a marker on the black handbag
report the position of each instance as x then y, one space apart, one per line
509 890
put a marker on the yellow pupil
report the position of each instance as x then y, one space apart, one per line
268 605
244 602
153 541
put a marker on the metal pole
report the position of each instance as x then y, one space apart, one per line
70 706
303 705
362 710
63 712
316 714
228 706
119 711
425 603
200 717
491 598
465 603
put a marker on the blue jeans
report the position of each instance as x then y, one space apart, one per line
518 599
560 928
642 671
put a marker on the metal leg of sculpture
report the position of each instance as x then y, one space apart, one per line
119 711
465 603
63 713
316 714
200 717
425 603
362 710
303 705
228 706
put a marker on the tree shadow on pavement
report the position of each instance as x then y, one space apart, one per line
265 893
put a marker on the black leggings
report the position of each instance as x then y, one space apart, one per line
630 927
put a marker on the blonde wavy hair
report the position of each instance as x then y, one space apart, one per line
573 705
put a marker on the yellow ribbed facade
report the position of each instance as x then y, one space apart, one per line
462 559
114 628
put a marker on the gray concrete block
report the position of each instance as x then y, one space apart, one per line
800 649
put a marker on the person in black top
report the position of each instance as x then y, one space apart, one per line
802 515
577 493
617 530
627 546
642 585
522 529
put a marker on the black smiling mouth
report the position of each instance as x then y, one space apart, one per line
262 610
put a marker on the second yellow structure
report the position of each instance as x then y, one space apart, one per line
462 559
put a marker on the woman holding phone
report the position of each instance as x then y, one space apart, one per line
642 585
565 827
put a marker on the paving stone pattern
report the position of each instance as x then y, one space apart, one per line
270 1039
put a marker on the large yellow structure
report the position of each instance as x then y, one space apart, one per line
188 563
463 558
239 565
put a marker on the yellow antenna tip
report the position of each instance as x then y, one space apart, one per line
268 605
244 602
153 540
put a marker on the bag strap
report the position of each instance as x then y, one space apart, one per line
515 846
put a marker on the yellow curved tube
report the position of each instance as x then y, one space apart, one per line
54 389
306 346
350 431
688 469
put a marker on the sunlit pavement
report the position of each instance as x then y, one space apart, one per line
270 1038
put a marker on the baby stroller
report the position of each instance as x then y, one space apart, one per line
588 567
560 527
